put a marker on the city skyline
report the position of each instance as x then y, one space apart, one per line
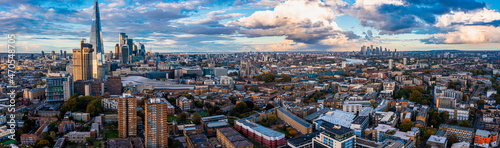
259 26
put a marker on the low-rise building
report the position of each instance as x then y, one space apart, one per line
485 138
437 142
230 138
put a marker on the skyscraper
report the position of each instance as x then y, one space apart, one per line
127 116
156 132
64 54
43 54
124 53
97 43
117 51
82 62
390 63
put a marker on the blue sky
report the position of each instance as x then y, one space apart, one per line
257 25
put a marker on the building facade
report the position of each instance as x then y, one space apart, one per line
127 116
156 132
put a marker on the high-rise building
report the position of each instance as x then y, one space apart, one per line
404 61
98 69
130 43
127 116
390 63
117 51
64 54
82 62
124 54
53 53
156 134
43 54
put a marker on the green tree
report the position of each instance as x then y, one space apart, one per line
95 107
196 118
452 139
182 116
240 107
481 103
406 125
416 96
286 78
464 123
444 116
269 77
40 143
428 132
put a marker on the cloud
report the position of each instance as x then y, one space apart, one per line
403 16
479 16
466 35
306 21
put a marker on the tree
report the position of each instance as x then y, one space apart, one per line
40 143
95 107
416 96
250 104
292 132
428 132
196 118
241 107
444 116
406 125
269 77
272 119
269 106
464 123
182 116
452 139
286 78
481 103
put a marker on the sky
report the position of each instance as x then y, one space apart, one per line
256 25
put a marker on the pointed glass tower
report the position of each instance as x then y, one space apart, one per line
97 43
96 33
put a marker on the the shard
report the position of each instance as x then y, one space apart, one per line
98 69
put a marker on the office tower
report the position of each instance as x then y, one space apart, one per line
60 53
156 131
135 50
404 61
143 49
127 116
390 63
363 50
58 88
43 54
117 52
82 62
64 54
110 56
114 85
53 53
125 54
130 44
32 56
98 67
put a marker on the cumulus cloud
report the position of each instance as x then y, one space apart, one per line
403 16
480 16
306 21
466 35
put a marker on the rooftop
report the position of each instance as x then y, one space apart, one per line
234 137
359 120
263 130
295 118
437 139
303 139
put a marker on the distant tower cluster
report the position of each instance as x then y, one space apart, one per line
370 50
